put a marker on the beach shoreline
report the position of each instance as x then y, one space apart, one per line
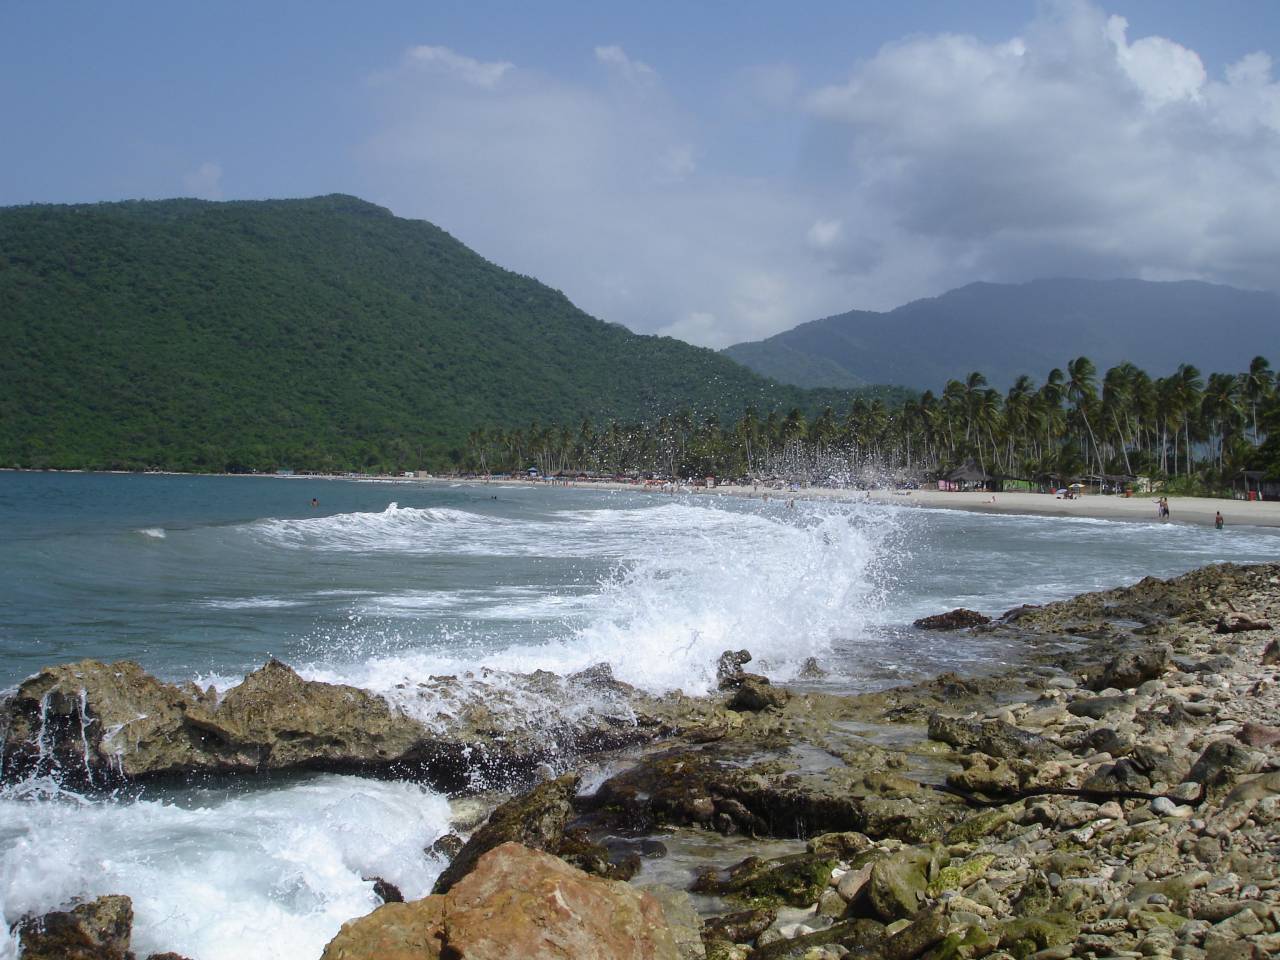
1136 509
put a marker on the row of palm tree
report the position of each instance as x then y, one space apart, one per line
1179 426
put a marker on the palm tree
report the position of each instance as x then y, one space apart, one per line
1082 391
1256 386
1187 389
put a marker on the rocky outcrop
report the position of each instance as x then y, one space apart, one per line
100 930
517 902
958 619
97 724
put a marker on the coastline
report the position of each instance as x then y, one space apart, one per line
1116 794
1137 509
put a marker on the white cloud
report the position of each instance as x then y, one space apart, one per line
1070 149
205 181
474 72
825 233
633 71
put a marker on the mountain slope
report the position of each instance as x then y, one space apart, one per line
321 333
1005 330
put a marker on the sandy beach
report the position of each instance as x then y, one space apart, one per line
1138 508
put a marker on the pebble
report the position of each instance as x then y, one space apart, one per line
1163 806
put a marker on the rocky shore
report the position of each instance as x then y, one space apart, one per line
1116 794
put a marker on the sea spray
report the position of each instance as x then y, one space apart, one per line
211 874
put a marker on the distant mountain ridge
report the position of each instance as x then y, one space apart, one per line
317 334
1004 330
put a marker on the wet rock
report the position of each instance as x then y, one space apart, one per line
1132 668
741 927
811 670
756 693
796 880
729 672
100 930
448 846
536 820
844 845
996 738
96 724
385 890
957 619
517 902
859 937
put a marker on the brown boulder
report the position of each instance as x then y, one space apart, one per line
395 931
1240 623
517 902
100 930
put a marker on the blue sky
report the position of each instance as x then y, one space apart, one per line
716 171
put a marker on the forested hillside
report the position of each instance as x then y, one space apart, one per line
311 334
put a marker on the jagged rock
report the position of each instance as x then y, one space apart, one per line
899 883
843 845
536 819
1132 668
1221 764
96 724
992 737
741 927
795 880
1095 708
957 619
756 693
385 890
926 928
448 846
517 902
810 669
1271 655
100 930
729 672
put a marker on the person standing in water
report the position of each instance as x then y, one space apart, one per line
315 502
1217 520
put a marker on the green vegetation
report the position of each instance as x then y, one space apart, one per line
1194 434
321 334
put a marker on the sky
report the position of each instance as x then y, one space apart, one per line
714 171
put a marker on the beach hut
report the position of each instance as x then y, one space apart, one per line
1253 485
968 477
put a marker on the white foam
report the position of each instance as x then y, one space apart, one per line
269 874
782 583
156 533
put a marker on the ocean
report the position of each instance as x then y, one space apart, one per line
382 583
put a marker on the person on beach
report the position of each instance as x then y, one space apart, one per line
1217 520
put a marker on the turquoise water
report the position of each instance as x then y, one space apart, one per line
383 584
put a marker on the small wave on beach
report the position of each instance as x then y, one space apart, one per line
155 533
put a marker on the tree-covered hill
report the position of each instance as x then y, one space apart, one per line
313 334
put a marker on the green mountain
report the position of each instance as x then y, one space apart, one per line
313 334
1005 330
